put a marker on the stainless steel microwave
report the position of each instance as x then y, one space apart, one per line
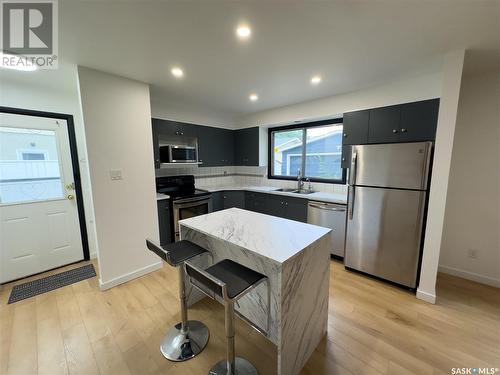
178 154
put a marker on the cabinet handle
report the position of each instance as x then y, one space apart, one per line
345 135
403 130
395 131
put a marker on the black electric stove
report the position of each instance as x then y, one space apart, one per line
185 200
179 187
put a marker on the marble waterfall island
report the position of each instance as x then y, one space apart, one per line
294 256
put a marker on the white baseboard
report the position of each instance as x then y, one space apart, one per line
129 276
425 296
93 255
470 276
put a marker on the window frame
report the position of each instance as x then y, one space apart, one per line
305 125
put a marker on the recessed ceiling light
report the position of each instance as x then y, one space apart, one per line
315 80
253 97
16 62
177 72
243 32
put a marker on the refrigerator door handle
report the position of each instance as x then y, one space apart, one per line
350 206
352 172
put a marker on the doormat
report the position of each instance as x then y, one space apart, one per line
46 284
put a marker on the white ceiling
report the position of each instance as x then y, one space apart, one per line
352 44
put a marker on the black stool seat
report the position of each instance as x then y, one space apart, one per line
236 277
177 252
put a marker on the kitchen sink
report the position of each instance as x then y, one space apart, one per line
303 191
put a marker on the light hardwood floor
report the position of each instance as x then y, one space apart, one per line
373 328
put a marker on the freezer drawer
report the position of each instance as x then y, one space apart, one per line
331 216
384 232
397 165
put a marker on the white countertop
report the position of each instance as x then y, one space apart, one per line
270 236
338 198
162 196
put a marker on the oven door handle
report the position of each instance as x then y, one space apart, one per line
196 200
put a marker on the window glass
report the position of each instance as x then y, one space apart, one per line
29 166
318 159
324 152
287 152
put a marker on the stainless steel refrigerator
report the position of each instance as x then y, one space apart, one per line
388 189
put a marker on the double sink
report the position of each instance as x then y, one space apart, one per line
296 191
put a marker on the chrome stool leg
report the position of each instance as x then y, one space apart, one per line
232 365
187 338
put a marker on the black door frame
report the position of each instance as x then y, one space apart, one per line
74 162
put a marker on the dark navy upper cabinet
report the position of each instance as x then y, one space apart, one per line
215 146
345 162
169 128
384 124
355 128
246 146
410 122
419 121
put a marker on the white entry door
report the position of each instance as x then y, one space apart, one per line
39 226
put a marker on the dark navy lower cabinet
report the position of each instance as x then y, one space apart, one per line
233 199
164 221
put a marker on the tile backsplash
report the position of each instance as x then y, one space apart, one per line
241 176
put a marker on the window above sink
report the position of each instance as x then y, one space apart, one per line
314 148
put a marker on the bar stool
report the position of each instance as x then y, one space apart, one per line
189 337
230 281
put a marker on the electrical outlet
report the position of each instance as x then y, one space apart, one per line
472 253
115 174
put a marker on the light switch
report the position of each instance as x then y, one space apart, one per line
116 174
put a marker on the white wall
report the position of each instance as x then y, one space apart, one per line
117 118
416 88
452 78
171 109
472 220
53 91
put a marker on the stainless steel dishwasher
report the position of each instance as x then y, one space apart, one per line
331 216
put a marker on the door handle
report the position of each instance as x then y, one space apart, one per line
70 197
350 202
352 172
324 207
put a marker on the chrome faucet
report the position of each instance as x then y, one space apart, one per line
300 183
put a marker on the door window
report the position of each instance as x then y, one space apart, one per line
29 166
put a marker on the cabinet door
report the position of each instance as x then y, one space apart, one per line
355 128
183 129
164 221
246 146
419 121
295 209
217 201
346 156
384 124
209 146
272 205
228 147
156 144
234 199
